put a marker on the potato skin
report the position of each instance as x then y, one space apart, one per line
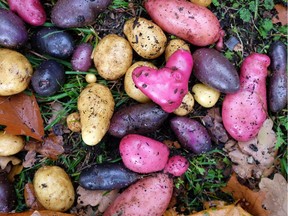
149 196
53 188
177 165
190 22
174 45
96 107
10 144
214 70
145 37
138 118
7 193
15 72
112 57
81 58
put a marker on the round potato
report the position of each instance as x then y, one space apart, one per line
205 95
146 38
10 144
112 57
53 188
15 72
186 106
73 122
129 85
174 45
90 78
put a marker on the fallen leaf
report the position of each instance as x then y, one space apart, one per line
276 191
12 165
30 159
21 115
5 160
37 213
30 197
15 170
250 200
281 14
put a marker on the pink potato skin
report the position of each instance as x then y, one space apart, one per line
81 58
166 86
177 165
142 154
245 111
149 196
31 11
191 22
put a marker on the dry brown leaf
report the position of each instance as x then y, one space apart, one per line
21 115
16 169
30 197
5 160
281 14
37 213
276 191
30 159
250 200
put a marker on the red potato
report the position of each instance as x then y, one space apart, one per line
244 112
191 22
149 196
168 85
177 165
31 11
142 154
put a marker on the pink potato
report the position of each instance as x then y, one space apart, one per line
31 11
81 58
245 111
142 154
166 86
177 165
149 196
193 23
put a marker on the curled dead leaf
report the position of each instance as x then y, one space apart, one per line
5 160
30 197
281 15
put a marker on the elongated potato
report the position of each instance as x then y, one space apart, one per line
96 107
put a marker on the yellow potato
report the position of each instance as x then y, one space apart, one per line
96 107
204 3
10 144
90 78
112 57
147 39
15 72
53 188
73 122
186 106
205 95
129 85
173 45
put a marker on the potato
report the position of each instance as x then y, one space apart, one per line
186 105
53 188
145 37
81 58
112 57
142 154
129 85
10 144
213 69
204 3
90 78
174 45
73 122
15 72
204 95
138 118
177 165
148 196
96 107
8 197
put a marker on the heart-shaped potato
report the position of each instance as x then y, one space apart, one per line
168 85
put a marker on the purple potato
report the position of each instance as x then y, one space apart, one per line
139 118
54 42
7 193
77 13
81 58
48 78
277 87
191 134
213 69
13 33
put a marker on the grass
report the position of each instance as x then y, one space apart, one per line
207 173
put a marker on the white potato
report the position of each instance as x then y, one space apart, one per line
147 39
129 85
205 95
173 45
10 144
15 72
112 57
90 78
53 188
186 106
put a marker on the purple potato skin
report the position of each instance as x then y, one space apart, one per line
7 193
277 87
139 118
13 33
213 69
81 58
191 134
77 13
